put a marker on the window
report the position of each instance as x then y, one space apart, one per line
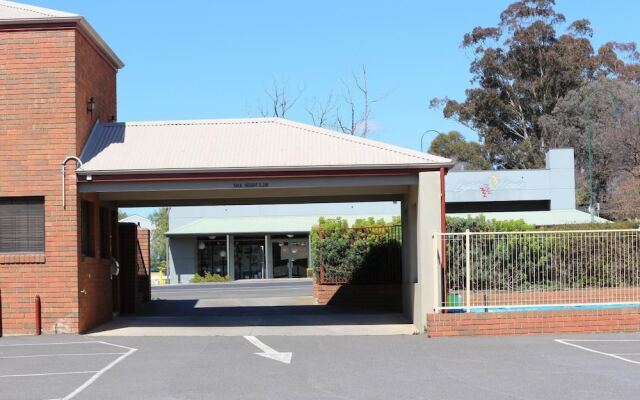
86 217
105 233
21 225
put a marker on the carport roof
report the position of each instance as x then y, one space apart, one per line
251 144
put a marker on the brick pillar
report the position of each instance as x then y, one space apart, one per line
144 239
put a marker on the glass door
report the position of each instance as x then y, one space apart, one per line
212 257
290 258
249 258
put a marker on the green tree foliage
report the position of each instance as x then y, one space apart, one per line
521 68
122 215
160 219
611 110
471 155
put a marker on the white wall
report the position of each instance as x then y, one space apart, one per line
182 259
555 183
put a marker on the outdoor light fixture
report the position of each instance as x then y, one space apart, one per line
91 104
212 237
290 236
201 245
223 254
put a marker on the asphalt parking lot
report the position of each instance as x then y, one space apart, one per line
248 365
321 367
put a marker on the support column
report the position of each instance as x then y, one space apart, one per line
428 222
230 258
268 254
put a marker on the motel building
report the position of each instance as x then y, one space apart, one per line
67 164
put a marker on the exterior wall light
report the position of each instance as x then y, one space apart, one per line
201 245
290 235
223 254
91 105
212 237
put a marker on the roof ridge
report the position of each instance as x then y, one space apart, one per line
187 122
27 7
349 138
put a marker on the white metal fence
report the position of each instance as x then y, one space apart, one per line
481 270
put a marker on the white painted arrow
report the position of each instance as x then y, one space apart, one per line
268 352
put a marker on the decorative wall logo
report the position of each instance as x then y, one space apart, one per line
485 190
488 186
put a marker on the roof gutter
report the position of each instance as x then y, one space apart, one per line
178 171
82 25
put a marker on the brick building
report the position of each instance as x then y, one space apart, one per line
57 78
59 228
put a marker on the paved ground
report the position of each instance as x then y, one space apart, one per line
293 367
322 367
274 307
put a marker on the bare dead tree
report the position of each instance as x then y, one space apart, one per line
321 112
357 122
280 100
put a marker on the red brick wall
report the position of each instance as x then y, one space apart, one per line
94 78
43 120
144 238
37 130
379 297
534 322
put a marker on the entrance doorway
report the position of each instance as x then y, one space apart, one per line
212 256
249 258
290 257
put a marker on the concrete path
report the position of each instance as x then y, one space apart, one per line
249 308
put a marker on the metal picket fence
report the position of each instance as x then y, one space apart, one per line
537 268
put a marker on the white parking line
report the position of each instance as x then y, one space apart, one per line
48 374
612 355
60 355
47 344
88 382
98 374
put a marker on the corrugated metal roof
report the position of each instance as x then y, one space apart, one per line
255 225
538 218
10 10
231 144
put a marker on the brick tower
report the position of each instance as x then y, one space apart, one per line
57 78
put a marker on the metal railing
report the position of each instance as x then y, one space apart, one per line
536 268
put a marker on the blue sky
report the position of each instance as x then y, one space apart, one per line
214 59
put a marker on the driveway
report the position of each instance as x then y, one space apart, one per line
320 367
272 307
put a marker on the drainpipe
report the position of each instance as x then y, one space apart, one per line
64 163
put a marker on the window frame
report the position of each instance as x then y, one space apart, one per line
28 237
105 232
87 224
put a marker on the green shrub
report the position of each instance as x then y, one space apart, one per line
482 224
370 252
209 278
